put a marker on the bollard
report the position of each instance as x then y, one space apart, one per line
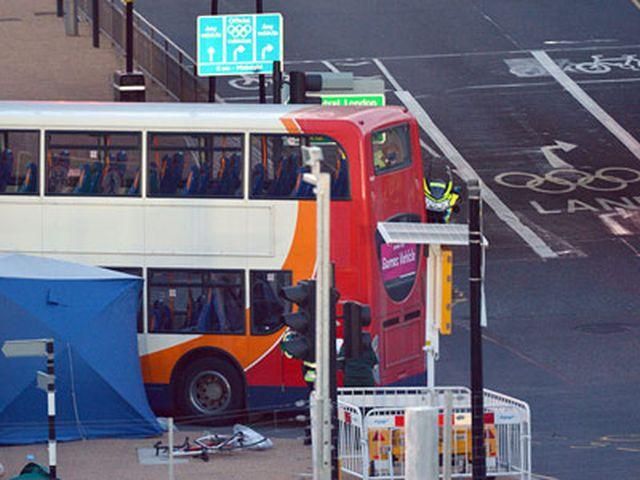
446 435
71 18
421 441
170 441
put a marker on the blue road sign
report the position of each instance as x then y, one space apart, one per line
239 44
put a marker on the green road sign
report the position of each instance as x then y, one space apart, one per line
358 100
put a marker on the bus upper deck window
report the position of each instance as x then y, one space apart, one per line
391 149
93 163
195 165
19 151
277 171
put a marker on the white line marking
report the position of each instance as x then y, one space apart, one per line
387 74
430 150
426 56
535 84
587 102
465 170
330 66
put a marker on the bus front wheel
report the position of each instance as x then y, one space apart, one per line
211 388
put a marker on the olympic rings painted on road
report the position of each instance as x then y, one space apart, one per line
565 180
239 30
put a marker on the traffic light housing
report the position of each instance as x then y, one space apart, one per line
302 82
300 341
356 316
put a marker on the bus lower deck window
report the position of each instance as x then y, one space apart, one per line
266 305
196 301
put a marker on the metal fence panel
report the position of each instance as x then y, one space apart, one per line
376 418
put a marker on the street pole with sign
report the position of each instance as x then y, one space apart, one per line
45 381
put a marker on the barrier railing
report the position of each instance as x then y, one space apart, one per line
154 53
371 432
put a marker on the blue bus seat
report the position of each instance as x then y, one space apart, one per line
154 178
6 168
168 183
96 177
285 178
303 189
30 182
59 171
340 179
112 176
257 180
230 175
84 182
192 185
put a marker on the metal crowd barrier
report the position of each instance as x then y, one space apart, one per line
154 53
371 432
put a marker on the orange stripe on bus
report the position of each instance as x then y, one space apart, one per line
302 253
291 125
157 367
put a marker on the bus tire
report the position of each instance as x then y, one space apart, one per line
210 388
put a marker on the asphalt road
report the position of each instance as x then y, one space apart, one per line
541 101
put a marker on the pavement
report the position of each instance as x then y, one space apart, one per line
39 62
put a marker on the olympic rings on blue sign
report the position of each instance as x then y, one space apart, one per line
239 30
566 180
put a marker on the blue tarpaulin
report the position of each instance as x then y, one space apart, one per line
90 313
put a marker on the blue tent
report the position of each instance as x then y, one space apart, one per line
91 315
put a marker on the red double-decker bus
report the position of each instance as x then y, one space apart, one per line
207 204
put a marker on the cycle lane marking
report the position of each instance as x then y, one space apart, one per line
587 102
465 170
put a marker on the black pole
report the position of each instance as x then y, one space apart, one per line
59 9
277 82
261 78
129 36
51 409
333 373
212 79
95 14
475 302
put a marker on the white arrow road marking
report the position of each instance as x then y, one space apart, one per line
587 102
554 160
465 170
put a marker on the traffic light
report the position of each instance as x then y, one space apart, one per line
301 82
356 316
300 341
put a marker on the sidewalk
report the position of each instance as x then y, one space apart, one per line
118 459
39 62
